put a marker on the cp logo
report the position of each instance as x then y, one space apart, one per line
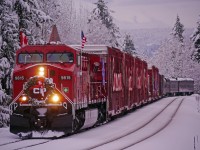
39 91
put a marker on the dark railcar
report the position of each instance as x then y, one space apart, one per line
185 86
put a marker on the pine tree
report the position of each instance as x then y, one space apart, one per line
31 18
178 30
169 58
97 33
9 43
102 13
129 45
196 42
177 43
8 31
50 8
15 15
70 22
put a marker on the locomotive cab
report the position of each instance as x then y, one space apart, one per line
43 90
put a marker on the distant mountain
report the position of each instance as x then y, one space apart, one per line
148 40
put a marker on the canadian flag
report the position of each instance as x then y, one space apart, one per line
23 39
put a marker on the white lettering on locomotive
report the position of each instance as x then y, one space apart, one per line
39 91
19 78
117 84
65 77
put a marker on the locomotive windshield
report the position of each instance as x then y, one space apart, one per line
65 57
30 58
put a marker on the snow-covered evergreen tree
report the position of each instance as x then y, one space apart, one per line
101 16
15 15
71 21
128 45
162 59
31 19
50 8
178 30
177 43
8 31
97 33
169 57
196 42
9 43
5 99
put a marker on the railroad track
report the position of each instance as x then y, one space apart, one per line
143 132
10 142
22 144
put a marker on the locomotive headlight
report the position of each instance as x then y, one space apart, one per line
41 71
55 98
24 98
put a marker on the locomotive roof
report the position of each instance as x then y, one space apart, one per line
181 79
94 49
185 79
45 48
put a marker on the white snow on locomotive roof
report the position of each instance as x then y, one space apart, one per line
172 79
185 79
55 43
181 79
92 49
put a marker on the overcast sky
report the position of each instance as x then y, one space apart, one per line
153 13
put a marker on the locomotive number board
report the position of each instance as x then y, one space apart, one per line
65 77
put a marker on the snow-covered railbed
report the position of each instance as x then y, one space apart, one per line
112 130
156 124
21 144
129 123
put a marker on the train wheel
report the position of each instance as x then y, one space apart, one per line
75 125
78 121
102 114
27 136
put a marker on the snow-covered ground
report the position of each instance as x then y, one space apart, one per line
179 132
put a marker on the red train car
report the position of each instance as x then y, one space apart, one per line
126 78
154 83
113 76
63 89
129 80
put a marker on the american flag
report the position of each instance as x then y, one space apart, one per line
83 39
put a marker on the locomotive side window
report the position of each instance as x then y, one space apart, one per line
60 57
24 58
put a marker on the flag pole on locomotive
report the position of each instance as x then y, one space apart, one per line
84 40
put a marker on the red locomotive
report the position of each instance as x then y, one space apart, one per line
58 88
